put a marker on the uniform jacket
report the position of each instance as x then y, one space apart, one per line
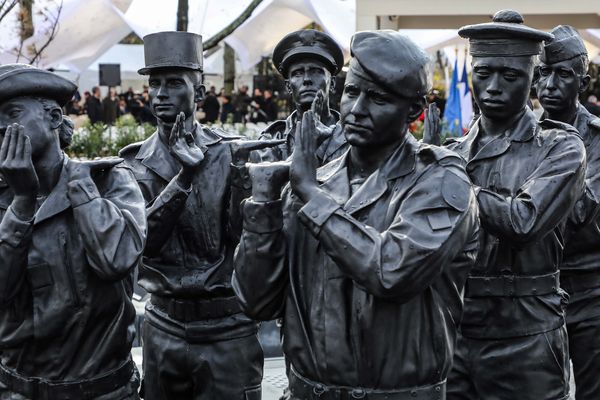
329 149
529 179
582 252
368 283
66 277
192 234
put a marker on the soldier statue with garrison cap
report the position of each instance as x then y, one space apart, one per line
562 78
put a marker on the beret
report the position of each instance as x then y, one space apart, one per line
566 44
393 61
18 80
172 50
308 43
505 36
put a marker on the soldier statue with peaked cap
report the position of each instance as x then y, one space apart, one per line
562 78
527 176
364 258
197 342
308 60
71 234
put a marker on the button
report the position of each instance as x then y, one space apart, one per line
18 234
314 214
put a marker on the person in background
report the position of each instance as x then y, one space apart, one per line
211 106
94 106
227 110
270 105
110 106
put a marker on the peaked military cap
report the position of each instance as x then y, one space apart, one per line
18 80
566 44
505 36
308 43
172 50
392 60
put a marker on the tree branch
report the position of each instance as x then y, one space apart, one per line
228 30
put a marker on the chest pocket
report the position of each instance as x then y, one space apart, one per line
55 296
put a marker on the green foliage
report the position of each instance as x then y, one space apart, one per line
98 140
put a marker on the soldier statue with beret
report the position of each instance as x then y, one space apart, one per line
562 78
527 176
364 258
71 234
197 342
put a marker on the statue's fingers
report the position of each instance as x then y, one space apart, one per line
5 143
13 142
20 145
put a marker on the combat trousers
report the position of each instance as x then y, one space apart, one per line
532 367
583 325
222 370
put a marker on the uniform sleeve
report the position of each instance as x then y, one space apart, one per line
112 224
240 189
587 208
545 198
431 227
163 213
260 277
15 237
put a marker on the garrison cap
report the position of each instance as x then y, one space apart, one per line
308 43
505 36
172 50
567 44
392 60
19 80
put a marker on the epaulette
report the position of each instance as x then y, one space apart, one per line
130 148
275 127
552 124
594 123
222 133
431 153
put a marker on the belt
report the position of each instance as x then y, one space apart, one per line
196 310
41 389
512 285
580 282
306 389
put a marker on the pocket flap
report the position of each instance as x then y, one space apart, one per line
39 276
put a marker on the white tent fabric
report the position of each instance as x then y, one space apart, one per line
273 19
88 28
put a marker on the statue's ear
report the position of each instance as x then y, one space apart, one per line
415 109
199 92
288 86
332 85
584 83
56 117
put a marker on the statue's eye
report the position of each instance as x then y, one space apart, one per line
14 113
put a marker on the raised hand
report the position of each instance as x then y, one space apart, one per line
322 131
183 146
303 171
240 149
16 164
432 127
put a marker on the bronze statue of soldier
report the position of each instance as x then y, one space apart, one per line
309 61
71 234
197 342
364 258
562 78
527 176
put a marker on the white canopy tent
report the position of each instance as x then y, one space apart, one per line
89 29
